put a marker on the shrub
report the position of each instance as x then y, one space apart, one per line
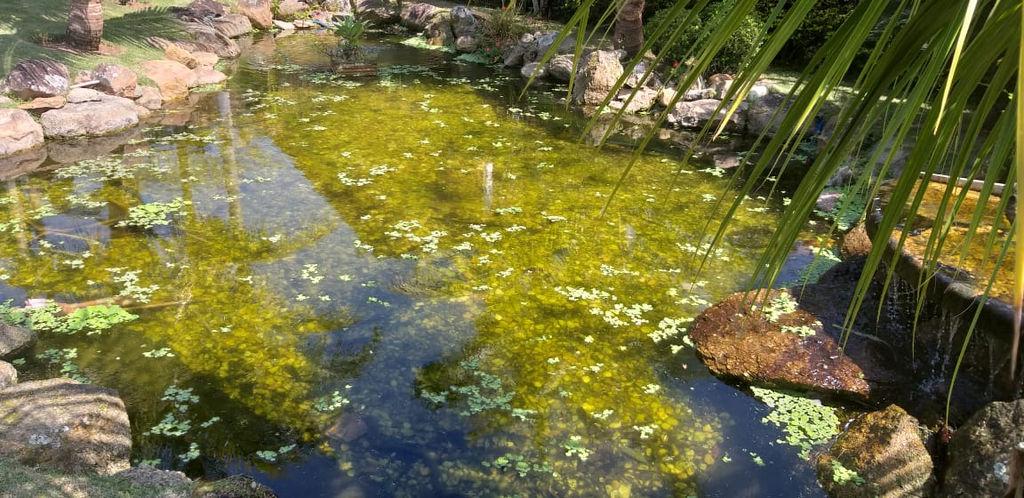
729 59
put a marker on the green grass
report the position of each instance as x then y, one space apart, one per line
20 481
24 25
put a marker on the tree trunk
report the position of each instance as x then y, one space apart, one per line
629 27
85 25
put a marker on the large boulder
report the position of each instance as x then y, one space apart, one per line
174 52
233 25
18 133
720 84
206 38
172 78
856 243
880 454
65 425
37 78
982 452
464 23
596 77
533 70
439 31
416 16
207 76
238 486
765 114
698 113
8 375
203 9
116 80
258 12
639 99
763 339
90 114
542 41
288 9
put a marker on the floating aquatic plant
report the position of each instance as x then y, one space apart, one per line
805 421
153 214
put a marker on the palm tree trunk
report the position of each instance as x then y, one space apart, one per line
85 24
629 27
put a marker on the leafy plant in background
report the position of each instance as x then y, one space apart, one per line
935 78
351 32
729 58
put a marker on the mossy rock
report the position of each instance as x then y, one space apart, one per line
239 486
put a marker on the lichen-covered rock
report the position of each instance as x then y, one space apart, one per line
856 243
233 25
981 451
37 78
881 454
155 478
764 339
65 425
172 78
18 133
464 23
288 9
416 16
439 31
238 486
596 77
258 12
8 375
466 44
116 80
90 114
175 53
560 67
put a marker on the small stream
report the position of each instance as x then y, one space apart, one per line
401 286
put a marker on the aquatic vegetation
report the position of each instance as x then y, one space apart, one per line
64 358
51 318
152 214
843 475
805 421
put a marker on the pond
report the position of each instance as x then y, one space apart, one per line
399 286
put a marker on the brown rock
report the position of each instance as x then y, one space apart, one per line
206 38
116 80
203 9
595 77
233 25
288 9
881 454
90 116
856 243
18 133
172 78
37 78
205 76
177 54
65 425
8 375
238 486
149 98
44 103
982 451
258 12
772 346
205 59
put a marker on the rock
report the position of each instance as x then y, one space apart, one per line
304 24
258 12
150 98
177 54
288 9
238 486
206 38
284 25
22 163
4 100
347 429
41 104
416 16
856 243
154 478
543 41
981 451
642 100
115 80
777 346
375 11
842 177
203 9
8 375
764 115
106 115
757 92
205 59
560 67
206 76
80 95
463 22
18 133
172 78
596 76
636 78
698 113
233 25
466 44
439 31
828 201
726 161
65 425
719 83
533 69
886 455
513 56
37 78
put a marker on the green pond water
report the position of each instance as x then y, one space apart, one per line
399 286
